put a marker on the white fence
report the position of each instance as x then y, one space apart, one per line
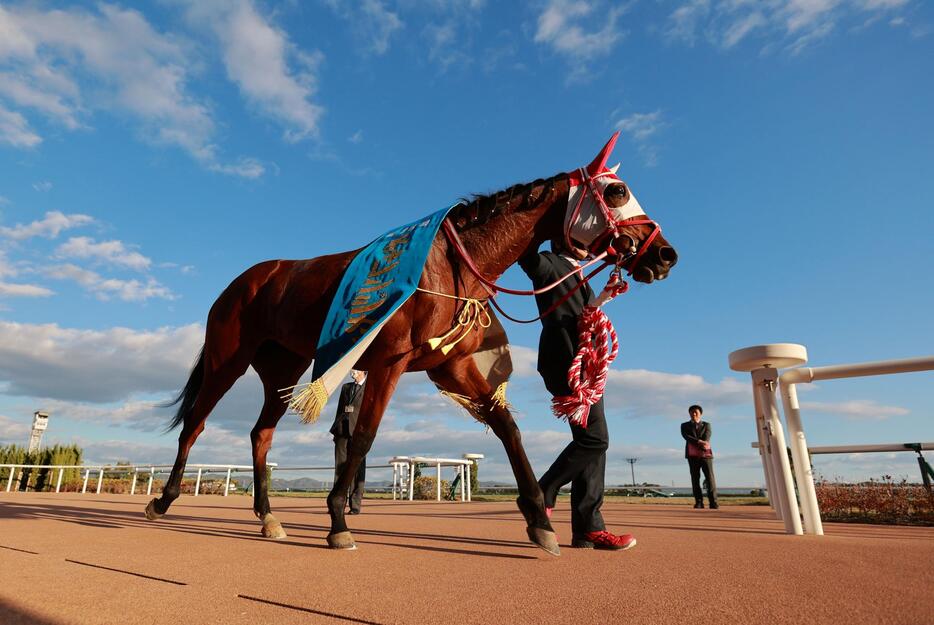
763 362
152 470
403 468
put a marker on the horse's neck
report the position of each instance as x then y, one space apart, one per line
499 243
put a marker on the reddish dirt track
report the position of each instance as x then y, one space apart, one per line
70 558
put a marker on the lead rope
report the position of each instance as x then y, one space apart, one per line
588 372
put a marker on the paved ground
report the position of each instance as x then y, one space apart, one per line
73 559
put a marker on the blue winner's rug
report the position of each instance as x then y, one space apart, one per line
377 282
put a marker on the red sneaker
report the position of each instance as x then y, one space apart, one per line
604 540
548 512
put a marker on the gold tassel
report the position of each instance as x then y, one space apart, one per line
308 402
462 400
499 397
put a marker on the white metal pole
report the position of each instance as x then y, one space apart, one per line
411 480
58 484
469 492
9 482
152 472
227 483
395 479
463 488
439 482
198 482
764 456
100 480
799 451
767 378
84 487
133 485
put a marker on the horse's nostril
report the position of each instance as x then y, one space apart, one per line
668 255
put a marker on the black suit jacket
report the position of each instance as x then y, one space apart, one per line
348 408
687 432
558 343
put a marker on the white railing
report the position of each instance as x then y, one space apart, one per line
763 362
135 470
403 468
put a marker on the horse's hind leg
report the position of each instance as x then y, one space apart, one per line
463 378
278 368
216 382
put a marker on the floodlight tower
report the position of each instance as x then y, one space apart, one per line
40 422
632 466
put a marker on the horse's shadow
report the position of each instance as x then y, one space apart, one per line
108 518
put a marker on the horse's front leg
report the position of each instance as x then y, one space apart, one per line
462 377
380 384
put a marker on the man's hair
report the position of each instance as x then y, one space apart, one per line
697 408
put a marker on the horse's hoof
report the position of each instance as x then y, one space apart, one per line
544 539
342 540
272 528
151 513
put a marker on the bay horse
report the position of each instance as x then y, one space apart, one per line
271 316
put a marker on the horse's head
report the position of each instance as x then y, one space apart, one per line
604 216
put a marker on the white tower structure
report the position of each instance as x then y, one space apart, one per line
40 422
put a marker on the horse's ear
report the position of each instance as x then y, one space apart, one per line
600 162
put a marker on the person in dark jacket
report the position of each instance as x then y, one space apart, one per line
696 434
348 408
583 461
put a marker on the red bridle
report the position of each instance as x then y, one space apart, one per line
636 252
613 226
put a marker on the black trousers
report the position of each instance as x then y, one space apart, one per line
355 493
582 463
706 465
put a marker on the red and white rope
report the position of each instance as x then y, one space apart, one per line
587 375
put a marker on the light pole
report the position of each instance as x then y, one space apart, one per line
632 466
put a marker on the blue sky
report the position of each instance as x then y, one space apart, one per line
149 153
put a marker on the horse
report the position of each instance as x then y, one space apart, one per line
270 317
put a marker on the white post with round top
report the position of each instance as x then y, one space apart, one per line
763 362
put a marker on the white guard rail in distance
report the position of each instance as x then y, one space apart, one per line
763 362
151 469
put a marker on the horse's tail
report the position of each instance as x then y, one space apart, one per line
189 394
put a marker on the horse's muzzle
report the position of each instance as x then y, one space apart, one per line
655 265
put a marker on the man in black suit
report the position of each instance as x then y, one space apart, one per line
348 408
696 434
583 461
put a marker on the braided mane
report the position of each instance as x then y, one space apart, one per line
479 209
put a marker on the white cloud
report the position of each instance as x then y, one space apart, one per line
356 138
371 21
857 409
112 252
791 24
654 393
256 55
244 167
8 289
15 130
106 288
642 127
48 102
49 227
126 64
13 431
46 360
563 25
